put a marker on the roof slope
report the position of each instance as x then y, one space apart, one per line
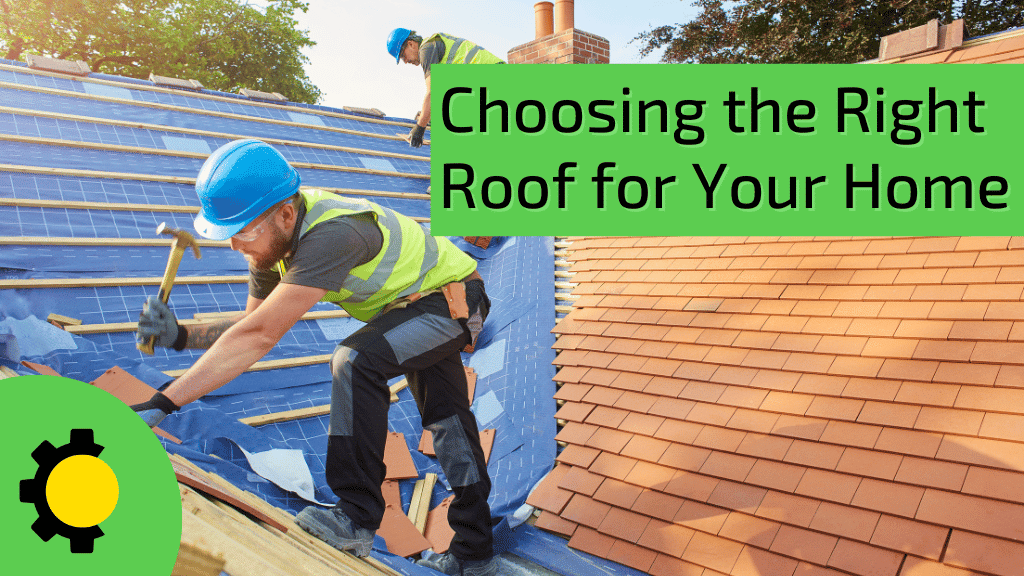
92 165
756 406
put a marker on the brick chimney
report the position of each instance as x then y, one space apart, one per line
565 45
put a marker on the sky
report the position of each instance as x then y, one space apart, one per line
351 66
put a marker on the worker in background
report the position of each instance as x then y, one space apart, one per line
406 46
422 301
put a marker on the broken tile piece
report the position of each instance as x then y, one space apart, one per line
426 445
470 382
438 532
487 442
392 494
128 389
398 459
41 368
400 534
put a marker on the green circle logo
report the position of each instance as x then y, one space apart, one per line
87 487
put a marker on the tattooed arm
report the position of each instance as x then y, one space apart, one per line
202 336
240 342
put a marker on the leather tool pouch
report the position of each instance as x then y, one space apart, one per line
458 306
455 294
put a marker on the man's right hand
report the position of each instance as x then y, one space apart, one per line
157 320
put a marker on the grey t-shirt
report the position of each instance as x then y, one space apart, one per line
430 54
324 256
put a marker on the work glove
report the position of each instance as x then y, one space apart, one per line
157 320
416 136
154 410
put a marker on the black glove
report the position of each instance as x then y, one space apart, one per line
157 320
154 410
416 136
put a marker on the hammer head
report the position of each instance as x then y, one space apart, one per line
182 239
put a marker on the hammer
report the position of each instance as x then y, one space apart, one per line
181 241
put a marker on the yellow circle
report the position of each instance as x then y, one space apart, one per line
82 491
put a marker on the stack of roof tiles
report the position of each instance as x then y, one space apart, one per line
781 406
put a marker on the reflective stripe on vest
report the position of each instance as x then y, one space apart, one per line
462 51
409 260
452 50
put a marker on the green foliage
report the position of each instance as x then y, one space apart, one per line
814 31
225 44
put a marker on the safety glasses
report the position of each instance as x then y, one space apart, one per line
259 228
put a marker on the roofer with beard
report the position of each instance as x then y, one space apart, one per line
423 303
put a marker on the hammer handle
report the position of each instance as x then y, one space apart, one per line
165 290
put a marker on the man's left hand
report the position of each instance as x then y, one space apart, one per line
416 136
154 410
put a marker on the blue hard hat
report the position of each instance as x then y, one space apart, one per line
396 40
237 183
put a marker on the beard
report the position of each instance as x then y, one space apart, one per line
280 245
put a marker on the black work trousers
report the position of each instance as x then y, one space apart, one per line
423 342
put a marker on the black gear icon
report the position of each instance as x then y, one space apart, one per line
34 490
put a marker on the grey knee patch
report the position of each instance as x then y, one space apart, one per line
341 391
454 452
421 334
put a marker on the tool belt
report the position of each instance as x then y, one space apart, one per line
455 295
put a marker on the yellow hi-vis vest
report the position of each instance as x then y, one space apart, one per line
409 261
462 51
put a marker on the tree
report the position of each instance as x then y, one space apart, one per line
814 31
224 44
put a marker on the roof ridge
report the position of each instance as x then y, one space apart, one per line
227 97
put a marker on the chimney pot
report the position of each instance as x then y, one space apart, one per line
543 19
563 15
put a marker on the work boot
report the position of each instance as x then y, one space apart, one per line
337 529
448 564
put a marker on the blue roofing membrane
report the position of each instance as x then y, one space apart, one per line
514 355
